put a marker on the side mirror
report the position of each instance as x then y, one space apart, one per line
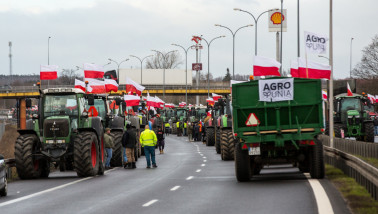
90 98
28 103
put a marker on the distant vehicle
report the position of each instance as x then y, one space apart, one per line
3 177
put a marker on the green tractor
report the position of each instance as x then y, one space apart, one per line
226 143
351 117
66 131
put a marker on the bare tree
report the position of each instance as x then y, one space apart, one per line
368 67
172 60
67 77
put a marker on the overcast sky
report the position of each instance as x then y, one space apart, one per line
95 30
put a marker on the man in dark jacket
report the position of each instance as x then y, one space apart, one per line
160 139
129 140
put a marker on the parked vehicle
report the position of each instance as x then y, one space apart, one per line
3 177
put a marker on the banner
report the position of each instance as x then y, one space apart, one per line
274 90
315 43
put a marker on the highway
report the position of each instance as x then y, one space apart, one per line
190 178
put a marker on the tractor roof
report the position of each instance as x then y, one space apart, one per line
345 95
62 90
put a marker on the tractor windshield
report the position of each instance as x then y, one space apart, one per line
181 112
350 104
60 105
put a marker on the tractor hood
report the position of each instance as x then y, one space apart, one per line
352 113
56 126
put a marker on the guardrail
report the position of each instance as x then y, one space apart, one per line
364 173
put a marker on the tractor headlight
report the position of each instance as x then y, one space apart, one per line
49 141
60 141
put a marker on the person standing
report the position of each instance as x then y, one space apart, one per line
148 141
196 132
109 145
129 140
190 131
167 127
160 138
185 128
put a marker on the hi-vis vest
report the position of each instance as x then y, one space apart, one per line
167 125
185 125
148 138
178 124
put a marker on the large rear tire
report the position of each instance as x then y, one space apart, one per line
317 161
210 137
117 151
102 156
86 158
227 145
27 165
242 164
369 132
218 141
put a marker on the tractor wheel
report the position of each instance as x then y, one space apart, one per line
317 161
369 132
337 130
117 151
227 145
102 156
218 142
4 190
242 164
86 158
27 166
210 135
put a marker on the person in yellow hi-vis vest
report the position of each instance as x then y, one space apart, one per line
148 140
167 129
179 130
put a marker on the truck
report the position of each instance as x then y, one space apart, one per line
277 121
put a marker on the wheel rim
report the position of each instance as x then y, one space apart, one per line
93 154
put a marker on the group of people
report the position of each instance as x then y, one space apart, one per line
148 140
195 131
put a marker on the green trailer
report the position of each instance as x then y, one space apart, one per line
277 121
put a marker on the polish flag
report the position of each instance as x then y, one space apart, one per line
93 71
208 114
210 101
325 96
371 98
169 105
190 105
133 86
131 100
264 66
80 84
160 102
96 86
216 96
376 98
48 72
182 104
294 68
348 90
151 102
111 85
314 70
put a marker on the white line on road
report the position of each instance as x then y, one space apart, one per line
150 202
204 157
198 170
322 200
200 154
189 178
175 188
205 161
203 164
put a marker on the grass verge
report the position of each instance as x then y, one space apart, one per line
372 161
357 196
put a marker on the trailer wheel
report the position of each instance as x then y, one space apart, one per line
210 135
369 132
117 151
242 164
27 166
227 145
218 141
317 161
86 158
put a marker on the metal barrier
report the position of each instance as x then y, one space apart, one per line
364 173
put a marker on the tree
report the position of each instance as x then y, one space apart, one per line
368 67
172 60
67 77
228 76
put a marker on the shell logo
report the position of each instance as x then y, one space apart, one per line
276 18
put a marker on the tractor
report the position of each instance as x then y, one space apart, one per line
224 123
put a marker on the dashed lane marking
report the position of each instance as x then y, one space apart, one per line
175 188
150 203
198 170
205 161
189 178
203 164
322 200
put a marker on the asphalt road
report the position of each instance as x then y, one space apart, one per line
190 178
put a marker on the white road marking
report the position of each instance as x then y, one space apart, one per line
200 154
42 192
198 170
203 164
205 161
204 157
189 178
150 202
175 188
322 200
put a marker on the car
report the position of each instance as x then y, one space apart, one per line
3 177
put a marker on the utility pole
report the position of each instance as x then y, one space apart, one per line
197 76
10 62
331 79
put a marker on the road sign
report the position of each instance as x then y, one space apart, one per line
197 66
252 120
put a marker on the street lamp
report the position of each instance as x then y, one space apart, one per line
256 20
158 52
208 62
233 44
350 67
118 64
141 65
48 50
106 64
323 57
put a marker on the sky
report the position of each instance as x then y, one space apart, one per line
91 31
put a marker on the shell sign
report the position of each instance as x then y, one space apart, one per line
275 21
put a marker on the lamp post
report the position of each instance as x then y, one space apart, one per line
106 64
208 62
48 50
164 56
118 64
141 65
233 45
256 20
323 57
350 66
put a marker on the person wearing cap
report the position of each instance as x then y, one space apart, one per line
148 141
129 140
109 145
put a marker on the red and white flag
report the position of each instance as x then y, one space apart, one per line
349 91
294 68
151 102
111 85
313 70
131 100
325 96
132 86
371 98
160 102
182 104
48 72
264 66
376 98
96 86
80 84
210 101
169 105
190 105
93 71
208 114
216 96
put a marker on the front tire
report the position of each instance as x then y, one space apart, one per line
27 165
317 161
4 190
218 141
369 132
227 145
242 164
117 151
210 141
86 158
